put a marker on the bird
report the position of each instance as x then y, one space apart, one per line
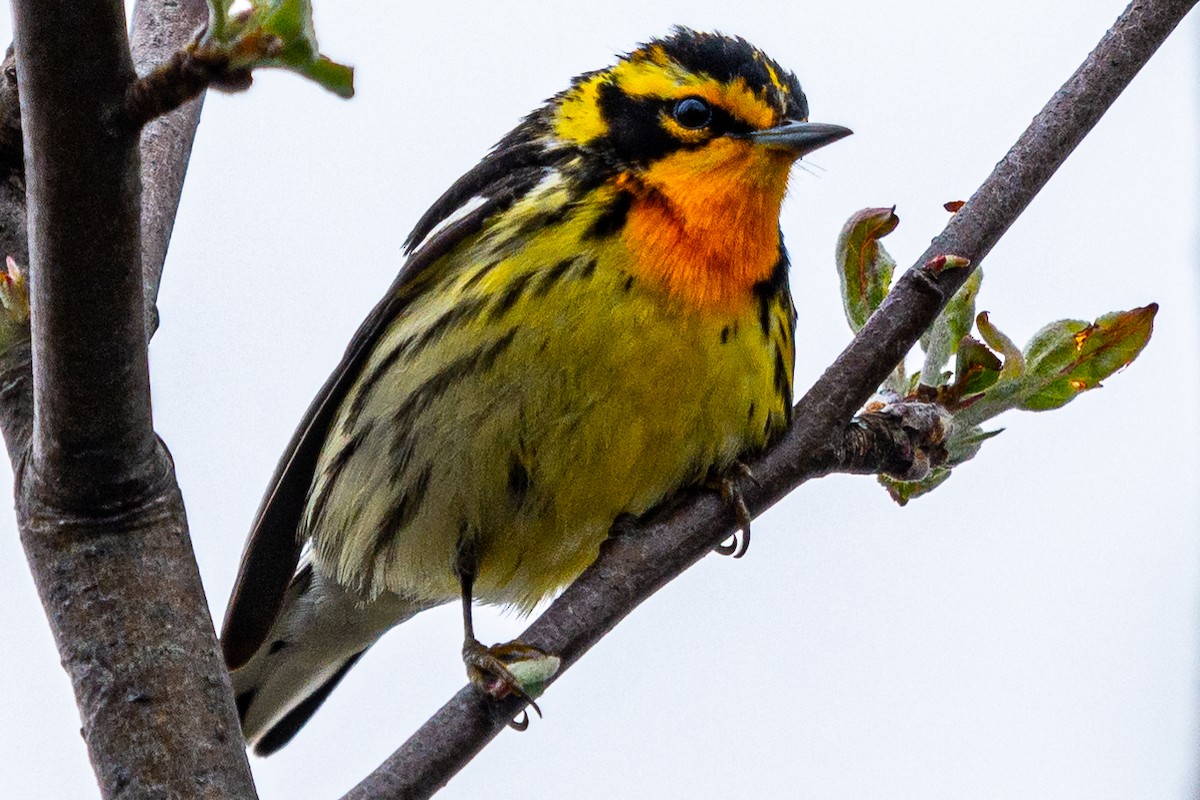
594 317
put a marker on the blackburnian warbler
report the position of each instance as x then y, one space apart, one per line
592 318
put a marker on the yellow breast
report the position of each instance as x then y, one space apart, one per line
530 400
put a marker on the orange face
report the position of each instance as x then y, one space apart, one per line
704 223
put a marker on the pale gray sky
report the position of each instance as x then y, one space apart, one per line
1029 630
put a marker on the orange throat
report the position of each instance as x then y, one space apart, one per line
704 224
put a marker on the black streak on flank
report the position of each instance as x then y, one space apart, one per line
479 361
464 311
782 385
769 290
588 270
400 455
628 283
403 512
510 295
347 452
770 428
334 471
553 276
540 222
612 219
480 274
518 481
725 335
367 385
764 313
750 413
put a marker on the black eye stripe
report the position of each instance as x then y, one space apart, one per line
636 129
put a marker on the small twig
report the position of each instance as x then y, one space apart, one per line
633 566
186 74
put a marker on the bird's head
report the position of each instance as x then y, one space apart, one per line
697 134
681 150
688 102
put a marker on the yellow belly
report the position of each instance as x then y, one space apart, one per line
525 425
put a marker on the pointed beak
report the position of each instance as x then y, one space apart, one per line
799 138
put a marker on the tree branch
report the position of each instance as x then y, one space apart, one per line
100 514
638 560
73 66
160 29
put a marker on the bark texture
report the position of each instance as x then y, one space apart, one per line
99 509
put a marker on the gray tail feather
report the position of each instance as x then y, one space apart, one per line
290 724
321 632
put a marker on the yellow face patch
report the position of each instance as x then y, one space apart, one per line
579 119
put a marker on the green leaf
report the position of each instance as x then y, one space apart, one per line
977 367
273 33
964 444
1070 356
864 266
337 78
1014 362
533 673
903 491
941 340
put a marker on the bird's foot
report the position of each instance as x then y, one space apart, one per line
737 544
513 668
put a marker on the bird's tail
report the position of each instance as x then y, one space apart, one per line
321 631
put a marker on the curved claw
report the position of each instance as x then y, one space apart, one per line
737 544
487 669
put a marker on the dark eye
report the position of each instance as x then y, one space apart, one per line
692 112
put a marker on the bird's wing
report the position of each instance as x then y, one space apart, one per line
273 548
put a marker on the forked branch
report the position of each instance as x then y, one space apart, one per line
99 510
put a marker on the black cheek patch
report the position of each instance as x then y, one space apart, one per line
635 132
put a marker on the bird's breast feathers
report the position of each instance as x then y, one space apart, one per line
528 400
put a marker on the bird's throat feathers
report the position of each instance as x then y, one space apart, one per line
703 224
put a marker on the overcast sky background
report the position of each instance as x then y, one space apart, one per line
1029 630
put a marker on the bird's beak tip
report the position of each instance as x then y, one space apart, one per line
800 138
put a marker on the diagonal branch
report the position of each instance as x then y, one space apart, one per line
99 509
639 560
